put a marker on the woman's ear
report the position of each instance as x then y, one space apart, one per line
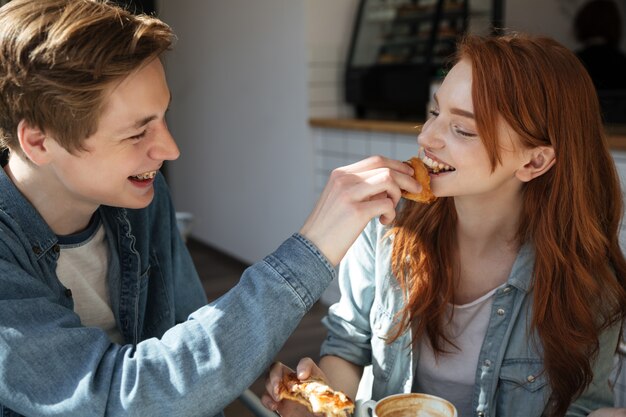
541 159
33 143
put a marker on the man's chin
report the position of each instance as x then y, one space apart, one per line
137 203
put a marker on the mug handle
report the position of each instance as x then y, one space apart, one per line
365 409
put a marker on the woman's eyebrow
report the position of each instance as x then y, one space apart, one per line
461 112
456 110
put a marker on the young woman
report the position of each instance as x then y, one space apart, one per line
506 294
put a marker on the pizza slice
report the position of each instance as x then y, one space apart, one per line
316 396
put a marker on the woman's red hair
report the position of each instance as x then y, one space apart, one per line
571 214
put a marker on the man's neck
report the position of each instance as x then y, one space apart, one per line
40 187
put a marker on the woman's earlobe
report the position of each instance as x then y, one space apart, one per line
33 143
541 160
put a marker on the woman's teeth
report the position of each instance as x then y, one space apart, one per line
145 176
436 166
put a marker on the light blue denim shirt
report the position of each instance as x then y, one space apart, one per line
50 365
509 378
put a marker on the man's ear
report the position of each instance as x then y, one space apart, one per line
542 158
33 142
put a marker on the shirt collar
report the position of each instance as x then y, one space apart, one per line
522 271
26 219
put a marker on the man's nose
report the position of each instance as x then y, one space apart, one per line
164 148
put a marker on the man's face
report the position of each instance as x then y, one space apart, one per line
121 158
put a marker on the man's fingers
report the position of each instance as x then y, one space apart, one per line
386 207
384 182
378 161
352 197
378 196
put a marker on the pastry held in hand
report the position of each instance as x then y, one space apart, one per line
316 396
421 175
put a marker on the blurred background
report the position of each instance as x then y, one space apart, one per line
253 83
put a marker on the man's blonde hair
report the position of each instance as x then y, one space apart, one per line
57 58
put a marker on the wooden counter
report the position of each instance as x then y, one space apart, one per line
616 133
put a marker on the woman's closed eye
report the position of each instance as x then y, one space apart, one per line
464 132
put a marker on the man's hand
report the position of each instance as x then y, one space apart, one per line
353 196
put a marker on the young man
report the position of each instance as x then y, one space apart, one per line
101 309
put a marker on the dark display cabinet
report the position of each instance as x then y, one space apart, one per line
399 47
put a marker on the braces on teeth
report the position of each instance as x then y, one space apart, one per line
145 176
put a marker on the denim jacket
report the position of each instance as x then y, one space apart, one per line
509 377
182 357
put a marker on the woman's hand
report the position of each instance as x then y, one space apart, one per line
353 196
306 368
609 412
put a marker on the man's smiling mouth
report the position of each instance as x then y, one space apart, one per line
145 176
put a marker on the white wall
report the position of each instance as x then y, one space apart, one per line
238 76
329 28
245 77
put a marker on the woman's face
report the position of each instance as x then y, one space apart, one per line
450 141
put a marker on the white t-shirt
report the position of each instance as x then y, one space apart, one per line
82 267
453 375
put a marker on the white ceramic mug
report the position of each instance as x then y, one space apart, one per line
407 405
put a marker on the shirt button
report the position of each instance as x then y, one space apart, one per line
506 290
480 414
500 312
530 378
56 248
68 293
37 250
487 363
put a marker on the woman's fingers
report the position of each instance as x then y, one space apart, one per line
272 382
307 368
609 412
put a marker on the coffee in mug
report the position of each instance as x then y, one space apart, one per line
408 405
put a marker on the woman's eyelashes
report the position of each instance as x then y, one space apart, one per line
464 133
458 130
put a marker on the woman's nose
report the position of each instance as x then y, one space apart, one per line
431 135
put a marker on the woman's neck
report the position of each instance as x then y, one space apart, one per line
487 245
484 223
